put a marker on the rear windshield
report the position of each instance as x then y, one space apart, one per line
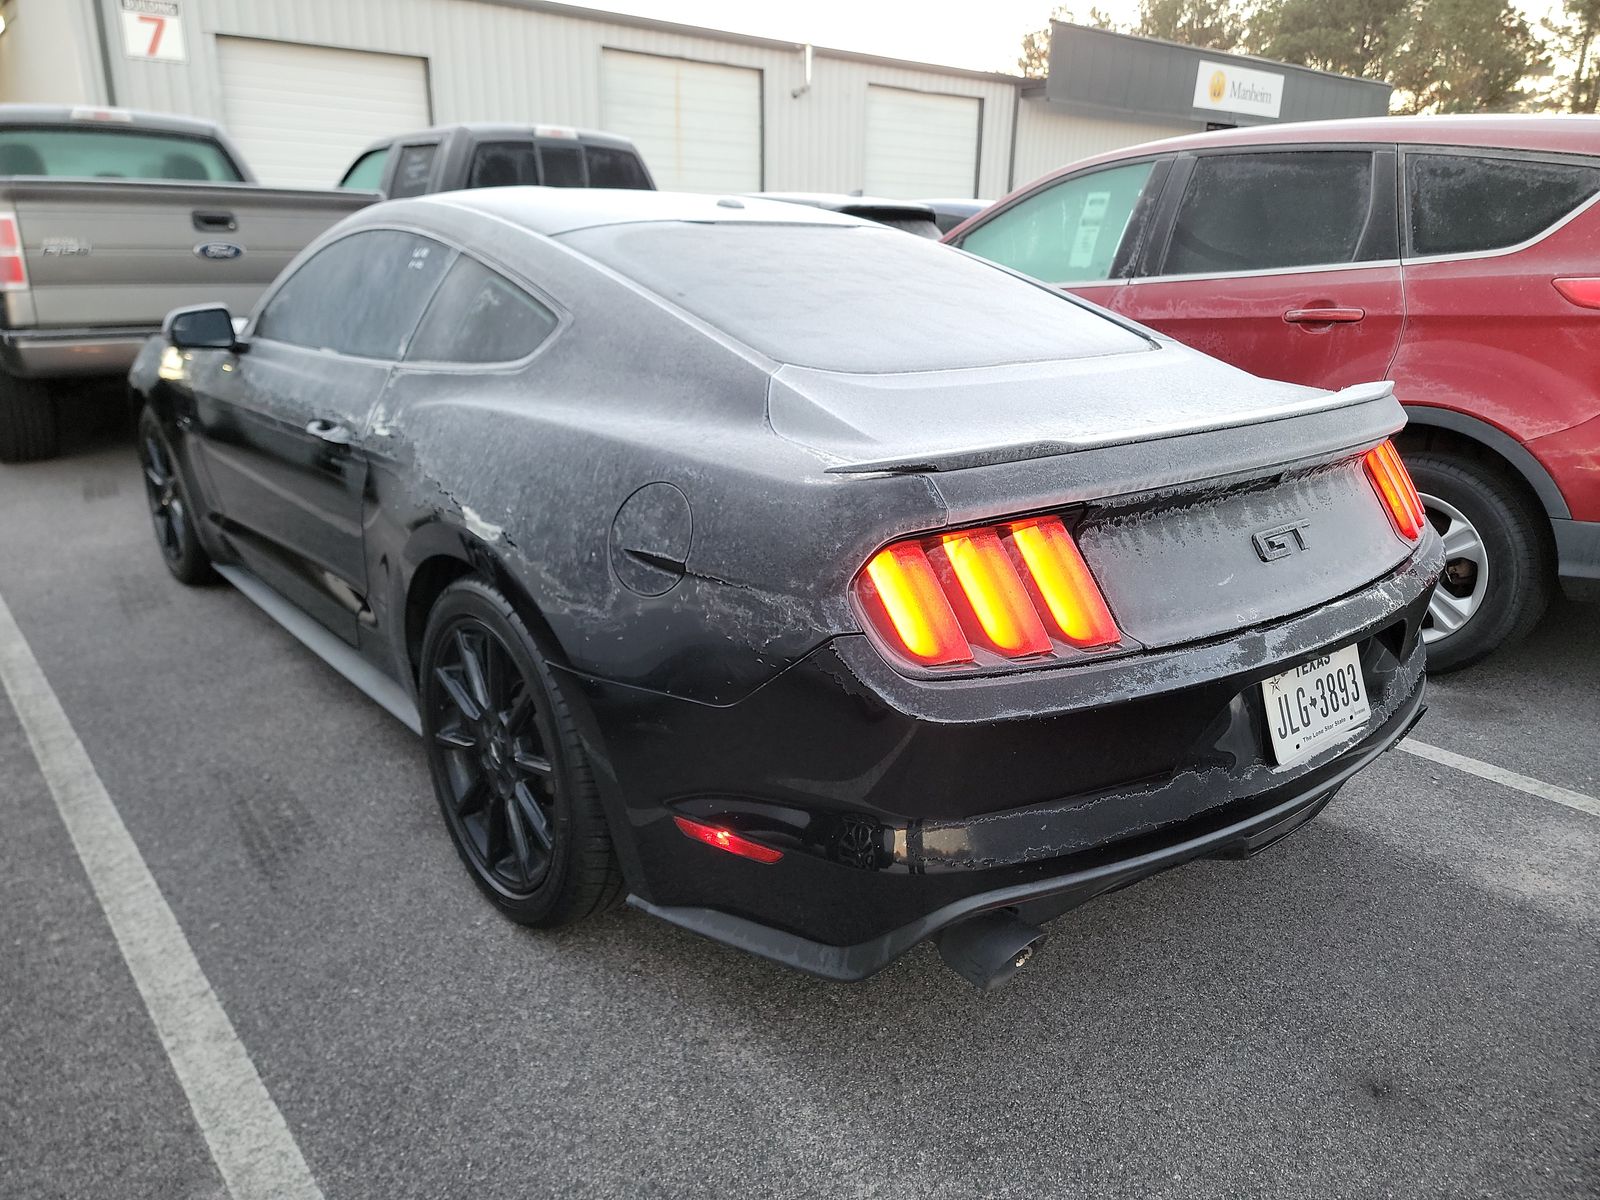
554 164
100 153
852 298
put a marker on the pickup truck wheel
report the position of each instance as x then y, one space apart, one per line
1498 573
29 425
170 510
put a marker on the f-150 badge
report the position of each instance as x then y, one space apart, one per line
64 247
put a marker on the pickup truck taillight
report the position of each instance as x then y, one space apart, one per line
13 271
1017 590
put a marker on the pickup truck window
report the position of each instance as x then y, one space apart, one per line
561 164
94 152
503 164
412 173
613 168
366 173
361 295
479 316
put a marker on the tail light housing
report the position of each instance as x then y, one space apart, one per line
1392 482
13 270
1013 591
719 838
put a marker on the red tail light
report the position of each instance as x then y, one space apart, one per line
1015 590
1393 484
726 839
1585 293
13 271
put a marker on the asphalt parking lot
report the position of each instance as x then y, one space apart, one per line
1400 1001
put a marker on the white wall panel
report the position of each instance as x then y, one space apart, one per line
921 144
1048 138
301 114
697 124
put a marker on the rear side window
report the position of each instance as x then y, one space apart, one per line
1264 212
94 152
412 171
366 173
480 316
1068 233
610 167
1461 203
362 295
503 164
561 164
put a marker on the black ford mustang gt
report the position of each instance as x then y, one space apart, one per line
818 588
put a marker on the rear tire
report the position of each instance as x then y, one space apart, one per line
30 426
1499 563
513 781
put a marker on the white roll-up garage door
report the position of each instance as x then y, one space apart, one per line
302 113
921 145
698 125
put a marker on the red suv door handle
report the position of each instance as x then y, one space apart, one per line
1323 316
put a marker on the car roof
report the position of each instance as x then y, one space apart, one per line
103 116
551 211
489 130
1555 133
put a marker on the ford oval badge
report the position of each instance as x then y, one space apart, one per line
218 250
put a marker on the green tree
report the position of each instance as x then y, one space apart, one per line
1352 37
1208 24
1575 43
1464 56
1034 61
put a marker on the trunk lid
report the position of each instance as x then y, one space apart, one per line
1204 500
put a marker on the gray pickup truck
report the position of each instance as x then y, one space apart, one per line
480 154
109 219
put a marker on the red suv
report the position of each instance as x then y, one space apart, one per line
1457 256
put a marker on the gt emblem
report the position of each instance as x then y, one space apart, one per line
1281 540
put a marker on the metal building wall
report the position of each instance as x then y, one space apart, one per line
498 60
1048 138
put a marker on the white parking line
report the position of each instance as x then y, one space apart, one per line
245 1132
1510 779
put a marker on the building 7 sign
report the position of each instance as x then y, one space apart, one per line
153 29
1229 88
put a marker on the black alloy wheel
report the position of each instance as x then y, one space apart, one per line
508 770
170 510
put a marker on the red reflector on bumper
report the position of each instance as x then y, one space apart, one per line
726 839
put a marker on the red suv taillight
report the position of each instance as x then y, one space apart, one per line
1392 482
13 271
1017 590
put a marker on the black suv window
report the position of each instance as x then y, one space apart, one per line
361 295
503 164
412 170
480 316
1263 212
610 167
1460 203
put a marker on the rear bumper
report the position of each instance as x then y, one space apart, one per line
903 805
64 353
1578 556
1273 817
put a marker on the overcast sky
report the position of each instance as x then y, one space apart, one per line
983 34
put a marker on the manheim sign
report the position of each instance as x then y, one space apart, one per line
1099 72
1228 87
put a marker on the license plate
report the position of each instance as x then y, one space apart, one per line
1311 706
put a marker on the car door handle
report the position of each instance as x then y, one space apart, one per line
214 221
329 431
1323 316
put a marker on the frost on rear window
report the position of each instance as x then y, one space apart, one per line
852 298
1461 203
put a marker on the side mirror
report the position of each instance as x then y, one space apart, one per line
203 327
